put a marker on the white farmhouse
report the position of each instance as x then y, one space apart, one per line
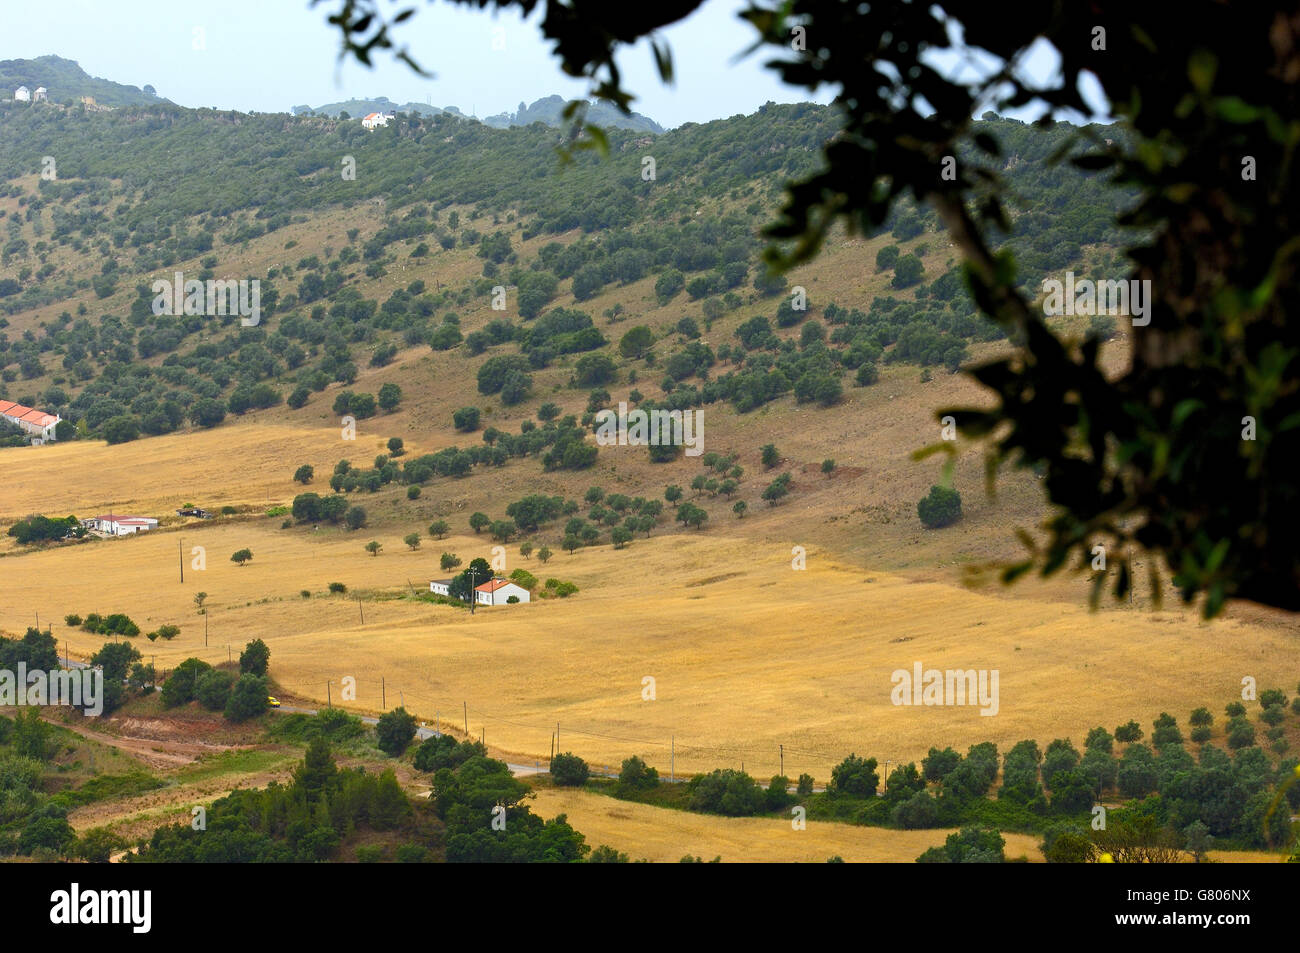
497 592
36 422
41 95
440 587
113 524
22 95
374 120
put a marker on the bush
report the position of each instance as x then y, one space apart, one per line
1241 733
917 812
248 698
728 792
941 508
1129 733
1202 733
635 775
337 587
568 770
395 731
855 776
212 689
255 658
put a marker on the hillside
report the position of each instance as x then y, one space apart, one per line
444 308
67 83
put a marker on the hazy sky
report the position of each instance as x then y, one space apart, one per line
270 55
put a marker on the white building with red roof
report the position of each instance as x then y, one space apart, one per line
115 524
497 592
372 120
36 422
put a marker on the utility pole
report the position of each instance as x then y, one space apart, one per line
362 610
180 557
328 701
672 759
466 707
473 597
228 656
557 736
383 693
782 747
205 628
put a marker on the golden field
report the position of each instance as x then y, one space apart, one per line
746 653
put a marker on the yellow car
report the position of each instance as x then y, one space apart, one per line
273 701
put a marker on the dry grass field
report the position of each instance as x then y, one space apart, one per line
746 653
662 835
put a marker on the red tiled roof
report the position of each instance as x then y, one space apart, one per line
12 408
493 585
38 417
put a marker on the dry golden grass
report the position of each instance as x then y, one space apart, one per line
746 653
662 835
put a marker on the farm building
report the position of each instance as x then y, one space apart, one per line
497 592
36 422
374 120
22 95
41 95
440 587
114 524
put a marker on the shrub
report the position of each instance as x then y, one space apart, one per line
636 775
568 770
395 731
941 508
856 776
337 587
1129 733
248 698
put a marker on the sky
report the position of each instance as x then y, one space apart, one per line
271 56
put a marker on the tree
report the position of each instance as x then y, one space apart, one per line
856 776
636 342
479 522
828 466
1198 840
395 731
908 271
255 658
373 547
412 541
568 770
241 556
739 509
635 776
526 549
438 529
673 493
1129 733
121 429
248 698
544 554
396 446
902 131
355 518
449 561
304 473
620 536
942 507
771 456
390 395
466 419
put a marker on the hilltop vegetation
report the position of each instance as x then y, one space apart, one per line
143 192
68 83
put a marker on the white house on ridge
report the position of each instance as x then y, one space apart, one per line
22 95
113 524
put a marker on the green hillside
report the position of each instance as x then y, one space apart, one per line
67 83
